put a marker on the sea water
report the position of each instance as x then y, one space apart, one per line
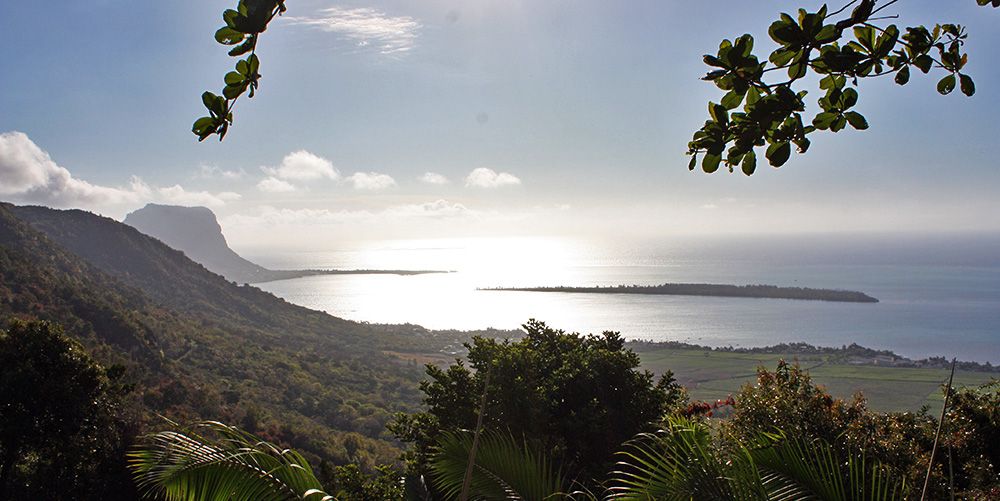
938 295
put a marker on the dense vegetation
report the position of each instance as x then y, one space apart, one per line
199 346
175 339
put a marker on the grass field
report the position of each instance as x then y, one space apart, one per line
712 375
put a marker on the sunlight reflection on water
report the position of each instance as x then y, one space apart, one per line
923 311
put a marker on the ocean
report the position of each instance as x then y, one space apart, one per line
938 295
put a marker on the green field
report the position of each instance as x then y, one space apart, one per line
711 375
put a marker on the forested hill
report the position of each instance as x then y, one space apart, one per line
202 346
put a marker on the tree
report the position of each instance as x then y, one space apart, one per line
573 398
251 17
63 424
817 43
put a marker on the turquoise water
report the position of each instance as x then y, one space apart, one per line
938 296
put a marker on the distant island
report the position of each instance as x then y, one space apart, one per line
273 275
718 290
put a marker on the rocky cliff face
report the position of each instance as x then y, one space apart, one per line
196 232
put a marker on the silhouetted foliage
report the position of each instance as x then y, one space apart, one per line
574 398
788 400
64 425
838 51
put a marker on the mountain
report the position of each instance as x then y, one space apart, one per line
196 232
202 347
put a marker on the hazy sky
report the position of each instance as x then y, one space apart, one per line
468 117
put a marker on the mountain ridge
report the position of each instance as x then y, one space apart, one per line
202 347
196 232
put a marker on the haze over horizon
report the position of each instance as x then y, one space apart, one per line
450 119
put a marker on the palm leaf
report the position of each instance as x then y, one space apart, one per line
795 468
504 468
679 463
221 464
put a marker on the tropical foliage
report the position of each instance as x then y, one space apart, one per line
573 398
213 461
64 420
838 52
504 468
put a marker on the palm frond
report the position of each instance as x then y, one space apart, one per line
216 462
505 468
679 463
795 468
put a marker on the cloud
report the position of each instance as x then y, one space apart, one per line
214 171
30 175
177 195
274 185
434 178
489 178
268 216
372 181
365 28
303 166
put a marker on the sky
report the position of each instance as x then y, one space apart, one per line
451 118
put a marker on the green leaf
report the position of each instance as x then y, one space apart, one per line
778 153
243 67
710 163
782 56
693 163
968 86
714 61
244 47
824 120
848 99
254 64
215 104
924 62
232 91
718 113
865 35
228 36
857 120
903 75
234 78
749 164
946 85
229 16
732 99
839 124
828 34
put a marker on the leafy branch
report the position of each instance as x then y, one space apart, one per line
242 30
758 113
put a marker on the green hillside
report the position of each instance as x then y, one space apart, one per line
203 347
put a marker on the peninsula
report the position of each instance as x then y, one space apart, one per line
720 290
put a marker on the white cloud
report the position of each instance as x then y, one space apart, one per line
372 181
365 28
434 178
274 185
30 175
177 195
268 216
214 171
303 166
435 209
483 177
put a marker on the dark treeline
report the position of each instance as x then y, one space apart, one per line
719 290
